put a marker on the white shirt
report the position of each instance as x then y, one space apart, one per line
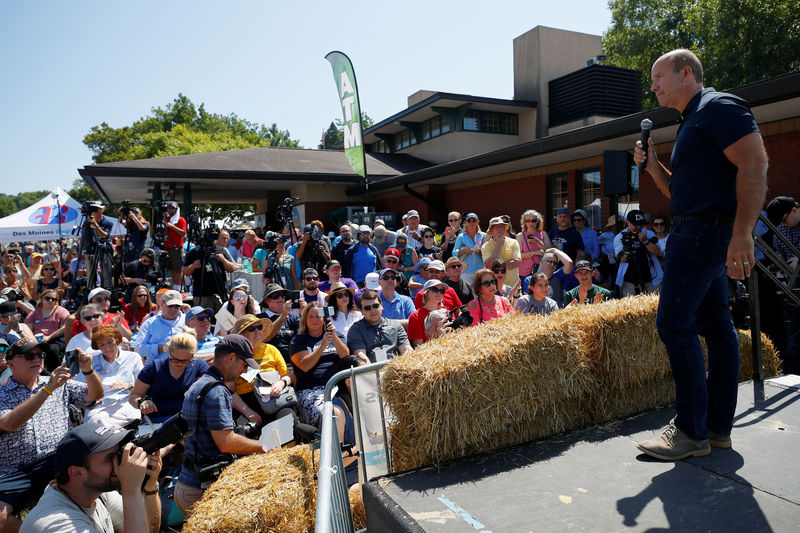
56 513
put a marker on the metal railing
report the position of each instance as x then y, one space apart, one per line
333 505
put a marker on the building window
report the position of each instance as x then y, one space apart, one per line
472 121
508 123
589 196
426 130
436 126
445 125
557 196
490 122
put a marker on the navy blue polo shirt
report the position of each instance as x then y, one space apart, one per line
703 179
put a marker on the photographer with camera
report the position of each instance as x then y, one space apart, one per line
34 415
312 252
208 410
98 485
142 270
207 265
137 229
637 251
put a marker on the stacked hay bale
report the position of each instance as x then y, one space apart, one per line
520 378
265 493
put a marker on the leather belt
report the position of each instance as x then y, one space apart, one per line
708 218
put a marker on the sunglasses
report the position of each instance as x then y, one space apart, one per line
101 299
254 328
472 220
389 277
312 278
276 296
177 361
202 317
48 270
50 298
141 296
174 306
370 307
427 236
91 317
391 261
240 297
453 219
30 356
659 224
437 289
342 294
530 221
455 266
489 282
145 263
499 270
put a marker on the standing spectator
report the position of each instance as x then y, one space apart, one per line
586 292
342 244
428 247
661 229
608 259
587 233
432 296
334 272
251 242
312 251
413 230
468 247
500 246
451 233
156 332
174 233
408 256
565 237
536 301
453 268
311 292
208 275
487 304
362 258
533 241
137 228
716 187
637 253
376 338
34 415
395 306
382 238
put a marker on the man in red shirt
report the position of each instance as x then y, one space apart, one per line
450 300
175 231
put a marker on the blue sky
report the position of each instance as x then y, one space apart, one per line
67 66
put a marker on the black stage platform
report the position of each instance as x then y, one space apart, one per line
596 480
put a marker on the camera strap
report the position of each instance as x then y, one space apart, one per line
201 397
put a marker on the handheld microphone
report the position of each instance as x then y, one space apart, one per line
647 125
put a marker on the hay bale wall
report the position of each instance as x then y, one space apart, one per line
273 492
520 378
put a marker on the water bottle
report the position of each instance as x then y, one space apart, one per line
247 265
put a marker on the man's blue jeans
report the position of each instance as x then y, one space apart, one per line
694 300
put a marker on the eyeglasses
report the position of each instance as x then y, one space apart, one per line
30 356
254 328
92 317
424 269
437 289
312 278
177 361
174 306
202 317
342 294
101 299
489 282
50 298
389 277
370 307
499 270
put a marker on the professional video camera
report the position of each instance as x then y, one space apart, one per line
464 319
628 239
159 208
285 209
739 303
124 209
203 236
200 234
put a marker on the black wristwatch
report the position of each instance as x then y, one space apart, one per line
87 373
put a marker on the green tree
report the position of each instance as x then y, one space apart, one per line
11 204
333 138
738 41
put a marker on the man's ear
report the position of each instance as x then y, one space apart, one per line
76 472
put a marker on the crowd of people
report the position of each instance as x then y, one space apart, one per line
330 302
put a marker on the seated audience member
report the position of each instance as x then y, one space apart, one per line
212 418
285 319
117 369
162 383
334 272
154 333
428 247
11 326
96 487
488 304
243 284
34 415
587 292
453 268
436 271
419 278
91 318
639 268
316 349
376 338
136 272
140 306
311 292
432 299
395 306
48 320
500 272
5 372
240 303
436 324
371 282
533 241
49 280
345 313
101 298
391 259
536 301
408 256
498 245
199 319
269 359
343 402
557 276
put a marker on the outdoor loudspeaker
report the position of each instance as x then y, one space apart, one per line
616 172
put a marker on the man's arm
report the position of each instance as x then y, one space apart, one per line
19 415
750 157
229 442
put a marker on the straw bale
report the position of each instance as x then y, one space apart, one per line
524 377
769 356
358 510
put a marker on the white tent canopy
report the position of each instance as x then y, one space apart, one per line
40 222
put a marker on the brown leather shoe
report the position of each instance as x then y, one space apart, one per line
674 445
